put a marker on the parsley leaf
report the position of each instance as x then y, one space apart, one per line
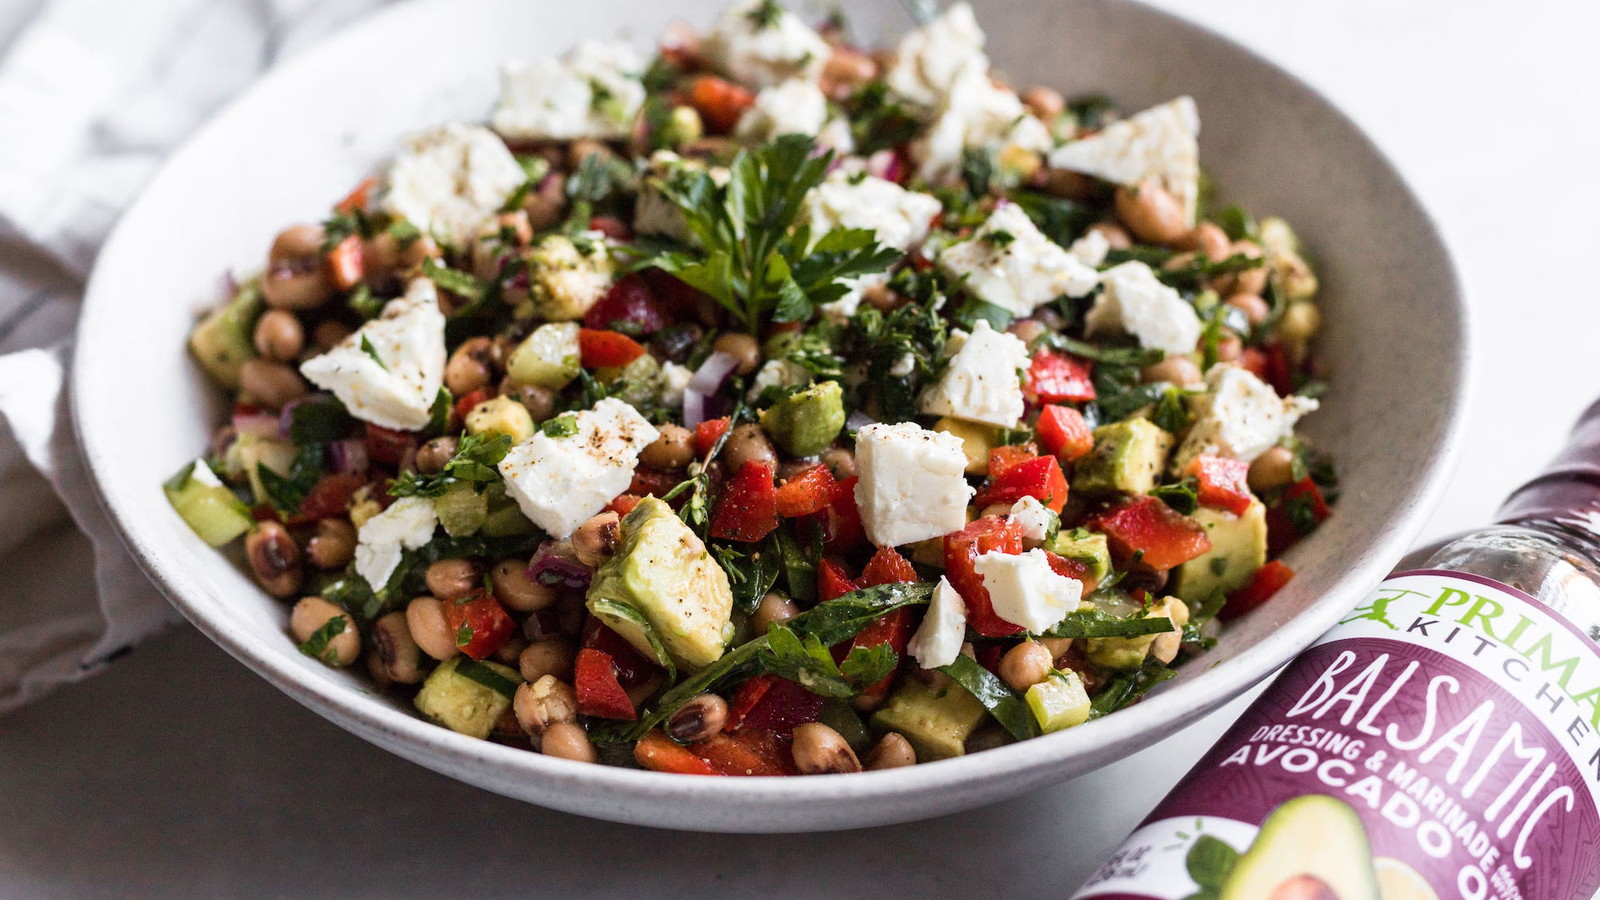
1182 496
463 284
368 349
807 662
317 646
877 121
751 572
1097 623
1006 705
285 493
564 425
1126 688
475 463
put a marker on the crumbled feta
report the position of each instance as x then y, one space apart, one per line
900 218
1135 301
1024 589
451 179
594 91
674 381
653 212
1010 263
846 306
390 370
560 481
1160 143
912 484
1033 517
903 366
793 107
1240 416
758 51
928 60
977 114
981 382
202 474
938 639
780 373
406 525
836 136
1091 249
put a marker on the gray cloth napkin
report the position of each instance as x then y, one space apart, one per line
94 94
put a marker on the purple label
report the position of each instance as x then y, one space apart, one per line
1440 742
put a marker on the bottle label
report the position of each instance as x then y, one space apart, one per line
1442 741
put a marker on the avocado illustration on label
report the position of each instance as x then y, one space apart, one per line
1398 881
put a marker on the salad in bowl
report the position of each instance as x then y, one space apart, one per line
771 406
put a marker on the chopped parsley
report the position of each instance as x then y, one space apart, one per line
564 425
368 349
474 463
319 645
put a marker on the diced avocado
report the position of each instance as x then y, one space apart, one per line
1238 549
937 721
806 423
1286 258
637 384
549 357
1128 457
1060 701
1085 546
568 276
501 415
1309 846
224 339
249 451
976 441
1129 652
206 505
461 509
682 125
662 569
463 703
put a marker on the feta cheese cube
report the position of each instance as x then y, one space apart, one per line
451 179
928 60
594 91
912 485
1010 263
406 525
759 45
558 482
1159 143
1091 249
1240 416
1024 589
937 641
976 113
793 107
981 382
900 218
674 381
1033 517
390 370
1135 301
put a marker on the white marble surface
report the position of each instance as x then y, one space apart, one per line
178 773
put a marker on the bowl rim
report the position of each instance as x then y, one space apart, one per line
1143 724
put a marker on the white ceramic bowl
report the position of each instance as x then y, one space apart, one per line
1395 340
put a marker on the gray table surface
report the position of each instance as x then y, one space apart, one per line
179 773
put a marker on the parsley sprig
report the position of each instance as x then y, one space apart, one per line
475 463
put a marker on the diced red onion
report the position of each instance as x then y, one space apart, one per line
261 425
885 164
349 457
694 408
286 417
543 625
709 378
558 571
858 420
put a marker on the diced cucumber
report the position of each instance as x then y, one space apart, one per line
224 338
249 451
461 509
463 703
548 358
206 505
505 518
1060 701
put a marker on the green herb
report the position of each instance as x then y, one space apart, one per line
751 573
564 425
319 422
364 303
342 225
660 76
439 412
600 183
610 610
807 662
799 564
914 330
368 349
1061 220
318 646
1091 112
404 233
1182 496
696 512
1096 623
1133 357
1154 257
285 493
1172 410
1126 688
475 462
999 238
1194 630
815 350
764 15
977 170
464 635
1237 223
462 284
1006 705
470 668
752 263
1199 270
877 121
972 311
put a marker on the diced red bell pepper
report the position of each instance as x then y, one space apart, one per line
387 446
707 433
770 703
1040 478
1144 527
748 509
1279 374
832 581
1056 377
480 624
1075 569
599 693
887 566
329 497
345 263
1254 361
990 534
633 668
843 529
1064 432
357 198
1268 580
807 493
623 504
1297 512
630 306
720 102
600 349
649 482
676 295
612 227
1007 455
988 654
659 753
746 753
467 403
894 628
1221 482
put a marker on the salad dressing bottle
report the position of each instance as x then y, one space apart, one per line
1443 741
